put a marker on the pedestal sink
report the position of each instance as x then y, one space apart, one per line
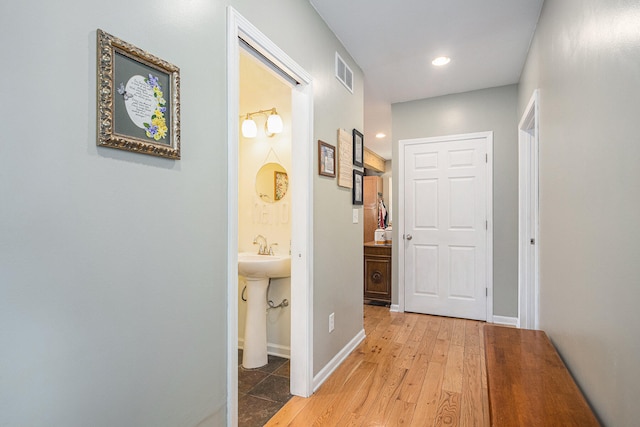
257 270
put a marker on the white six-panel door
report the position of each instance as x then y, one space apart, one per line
446 222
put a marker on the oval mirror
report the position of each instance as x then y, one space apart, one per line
272 182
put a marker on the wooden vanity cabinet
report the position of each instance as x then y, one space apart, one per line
377 273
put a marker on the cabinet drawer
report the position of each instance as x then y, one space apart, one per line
377 250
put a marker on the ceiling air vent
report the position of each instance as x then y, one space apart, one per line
344 73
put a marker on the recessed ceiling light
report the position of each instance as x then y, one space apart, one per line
441 60
380 135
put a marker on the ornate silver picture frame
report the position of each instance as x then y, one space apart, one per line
138 99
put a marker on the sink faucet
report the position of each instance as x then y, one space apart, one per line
271 248
263 249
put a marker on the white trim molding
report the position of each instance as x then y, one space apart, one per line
279 350
337 360
506 321
394 308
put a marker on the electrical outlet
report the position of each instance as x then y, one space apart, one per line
332 318
355 216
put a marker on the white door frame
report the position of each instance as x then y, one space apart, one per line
528 191
301 187
489 206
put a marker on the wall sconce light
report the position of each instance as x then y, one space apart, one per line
272 126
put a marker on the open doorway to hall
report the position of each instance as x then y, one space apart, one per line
264 219
377 222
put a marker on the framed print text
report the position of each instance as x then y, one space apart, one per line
358 188
326 159
358 148
138 100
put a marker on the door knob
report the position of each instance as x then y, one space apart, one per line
409 237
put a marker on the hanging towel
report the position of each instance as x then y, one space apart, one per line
382 215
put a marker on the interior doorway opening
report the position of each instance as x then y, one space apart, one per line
528 228
241 32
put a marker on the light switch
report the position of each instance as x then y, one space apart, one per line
355 216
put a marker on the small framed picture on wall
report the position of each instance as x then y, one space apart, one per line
326 159
358 148
358 182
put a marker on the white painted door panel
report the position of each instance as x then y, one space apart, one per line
445 227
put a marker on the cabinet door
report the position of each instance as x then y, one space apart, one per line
377 271
372 186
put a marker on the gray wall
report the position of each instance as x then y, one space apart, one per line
584 58
112 266
482 110
338 250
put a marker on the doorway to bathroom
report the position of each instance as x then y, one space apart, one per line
289 215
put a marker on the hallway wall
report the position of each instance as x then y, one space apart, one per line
584 58
113 264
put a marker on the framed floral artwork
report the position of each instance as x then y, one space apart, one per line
138 99
281 183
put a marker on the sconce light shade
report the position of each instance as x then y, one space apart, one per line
249 128
274 123
272 126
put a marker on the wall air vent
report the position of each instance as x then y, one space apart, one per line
344 73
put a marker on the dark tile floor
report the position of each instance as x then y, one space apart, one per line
262 391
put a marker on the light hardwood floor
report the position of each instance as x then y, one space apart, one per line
412 369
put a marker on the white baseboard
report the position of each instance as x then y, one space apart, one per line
394 308
337 360
507 321
272 349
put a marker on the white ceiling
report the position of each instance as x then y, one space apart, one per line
394 42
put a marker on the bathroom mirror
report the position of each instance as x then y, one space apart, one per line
272 182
